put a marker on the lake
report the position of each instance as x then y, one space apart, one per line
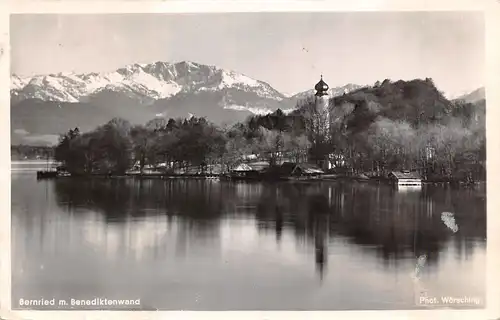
212 245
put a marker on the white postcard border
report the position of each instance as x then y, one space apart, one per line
492 13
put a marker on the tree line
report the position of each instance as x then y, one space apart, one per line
375 130
26 152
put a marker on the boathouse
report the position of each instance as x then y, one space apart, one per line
405 178
244 171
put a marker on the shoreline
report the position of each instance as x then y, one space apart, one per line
225 177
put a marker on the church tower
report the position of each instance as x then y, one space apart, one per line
322 119
322 103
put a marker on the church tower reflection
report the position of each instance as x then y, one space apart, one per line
279 223
320 209
321 251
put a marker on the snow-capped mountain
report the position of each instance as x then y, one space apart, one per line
144 82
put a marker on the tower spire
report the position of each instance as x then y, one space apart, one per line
321 87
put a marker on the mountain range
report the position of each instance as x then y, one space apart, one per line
43 106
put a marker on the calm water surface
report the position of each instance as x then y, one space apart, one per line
209 245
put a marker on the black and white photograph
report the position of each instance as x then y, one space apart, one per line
240 161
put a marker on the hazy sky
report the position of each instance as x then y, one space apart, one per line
287 50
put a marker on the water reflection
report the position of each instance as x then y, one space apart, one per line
166 230
393 223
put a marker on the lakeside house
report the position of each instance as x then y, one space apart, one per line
262 170
405 178
244 171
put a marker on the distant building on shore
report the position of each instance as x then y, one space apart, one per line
406 178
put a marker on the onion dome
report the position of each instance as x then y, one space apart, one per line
321 87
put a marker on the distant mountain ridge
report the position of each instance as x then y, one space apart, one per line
333 92
474 96
43 105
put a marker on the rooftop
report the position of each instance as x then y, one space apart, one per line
404 174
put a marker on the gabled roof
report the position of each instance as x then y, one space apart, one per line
405 175
310 168
290 168
243 167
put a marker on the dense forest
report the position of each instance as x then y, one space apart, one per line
373 130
